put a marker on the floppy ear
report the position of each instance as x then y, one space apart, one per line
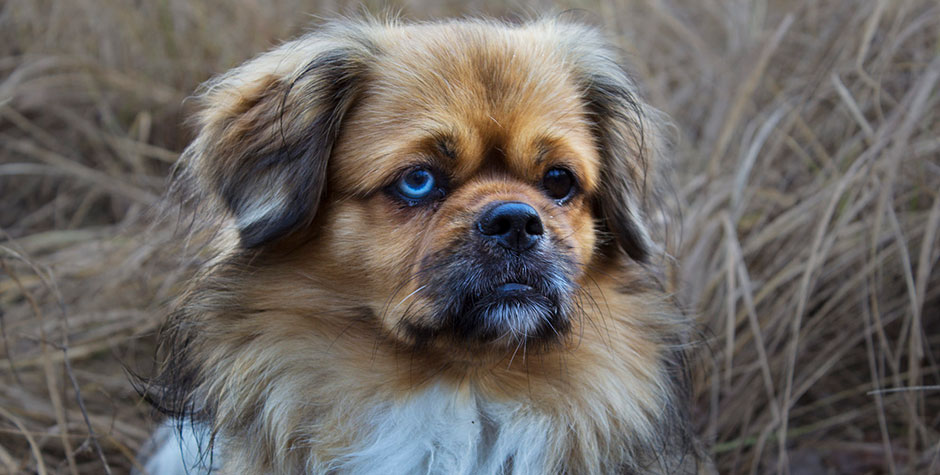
266 131
627 144
629 140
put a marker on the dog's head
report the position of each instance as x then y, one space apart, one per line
456 183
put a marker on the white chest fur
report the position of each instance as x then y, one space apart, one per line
436 431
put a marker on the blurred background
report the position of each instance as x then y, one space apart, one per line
807 173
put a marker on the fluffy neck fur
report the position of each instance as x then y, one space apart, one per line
286 390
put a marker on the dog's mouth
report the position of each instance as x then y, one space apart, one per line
504 302
513 289
511 312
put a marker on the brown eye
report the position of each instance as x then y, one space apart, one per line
558 184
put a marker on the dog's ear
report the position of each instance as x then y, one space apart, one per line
629 138
266 131
625 141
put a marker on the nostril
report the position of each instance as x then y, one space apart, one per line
534 226
496 225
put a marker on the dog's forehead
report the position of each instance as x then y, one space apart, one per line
466 95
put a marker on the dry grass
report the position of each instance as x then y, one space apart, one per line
808 176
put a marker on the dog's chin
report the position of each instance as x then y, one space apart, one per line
504 315
510 313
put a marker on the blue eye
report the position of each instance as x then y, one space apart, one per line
417 184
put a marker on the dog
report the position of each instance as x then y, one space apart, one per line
437 256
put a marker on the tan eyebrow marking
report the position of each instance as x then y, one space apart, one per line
445 145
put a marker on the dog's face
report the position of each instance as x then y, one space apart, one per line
471 195
458 181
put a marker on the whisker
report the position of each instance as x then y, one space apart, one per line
419 289
513 357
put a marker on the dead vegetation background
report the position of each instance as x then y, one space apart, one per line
808 173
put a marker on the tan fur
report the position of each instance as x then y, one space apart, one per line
295 338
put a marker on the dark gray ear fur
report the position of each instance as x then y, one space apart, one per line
630 141
621 133
267 129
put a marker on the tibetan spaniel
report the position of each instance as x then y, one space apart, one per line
434 254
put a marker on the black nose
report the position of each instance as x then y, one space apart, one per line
513 225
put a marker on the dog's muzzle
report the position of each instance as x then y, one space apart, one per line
506 280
